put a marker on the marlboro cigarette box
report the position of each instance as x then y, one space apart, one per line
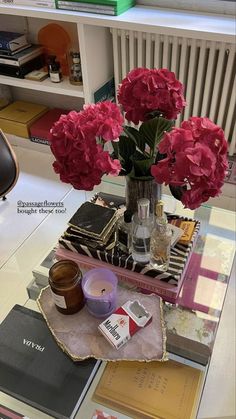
120 326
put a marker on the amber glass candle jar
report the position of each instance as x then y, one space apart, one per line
65 282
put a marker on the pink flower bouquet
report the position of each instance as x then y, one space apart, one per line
192 158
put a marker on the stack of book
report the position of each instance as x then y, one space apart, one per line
17 56
107 7
47 4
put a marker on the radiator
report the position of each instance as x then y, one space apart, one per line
206 68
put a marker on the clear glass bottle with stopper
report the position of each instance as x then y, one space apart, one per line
142 224
160 240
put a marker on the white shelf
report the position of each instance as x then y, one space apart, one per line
148 19
62 88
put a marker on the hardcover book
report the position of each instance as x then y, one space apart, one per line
109 7
36 371
40 129
7 52
190 334
35 3
22 57
23 69
150 390
19 116
12 40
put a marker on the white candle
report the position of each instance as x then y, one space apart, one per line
98 287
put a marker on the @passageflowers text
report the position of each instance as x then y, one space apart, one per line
40 207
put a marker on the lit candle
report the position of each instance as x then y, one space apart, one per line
100 290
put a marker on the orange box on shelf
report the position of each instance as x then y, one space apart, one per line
19 116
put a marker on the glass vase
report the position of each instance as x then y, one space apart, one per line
137 188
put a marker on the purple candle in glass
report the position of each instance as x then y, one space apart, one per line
99 286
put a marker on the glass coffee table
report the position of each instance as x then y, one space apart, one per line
200 328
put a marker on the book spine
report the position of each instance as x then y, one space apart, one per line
9 61
86 5
138 280
78 8
37 3
22 70
29 57
13 44
39 140
113 3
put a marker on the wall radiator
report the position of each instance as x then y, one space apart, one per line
206 68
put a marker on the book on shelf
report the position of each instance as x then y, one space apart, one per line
150 390
109 7
22 57
17 117
37 75
35 370
49 4
21 70
40 129
7 52
12 40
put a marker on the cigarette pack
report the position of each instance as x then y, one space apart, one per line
128 319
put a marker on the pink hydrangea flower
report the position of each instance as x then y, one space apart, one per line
196 158
144 90
77 142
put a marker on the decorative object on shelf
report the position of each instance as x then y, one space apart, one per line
56 41
75 68
100 291
192 158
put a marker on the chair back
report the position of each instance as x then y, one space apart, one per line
9 169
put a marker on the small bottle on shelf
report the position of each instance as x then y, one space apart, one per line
124 231
160 240
142 224
54 69
75 68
